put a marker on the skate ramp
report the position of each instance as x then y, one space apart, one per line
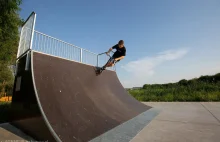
76 105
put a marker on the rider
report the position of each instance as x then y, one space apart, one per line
117 56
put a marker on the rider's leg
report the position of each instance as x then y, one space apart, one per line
108 64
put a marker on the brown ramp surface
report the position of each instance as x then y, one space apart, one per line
76 104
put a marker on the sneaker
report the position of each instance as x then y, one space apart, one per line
99 71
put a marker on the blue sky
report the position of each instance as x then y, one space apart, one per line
165 40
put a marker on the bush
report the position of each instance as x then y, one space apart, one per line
201 89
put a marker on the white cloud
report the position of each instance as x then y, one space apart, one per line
142 68
172 54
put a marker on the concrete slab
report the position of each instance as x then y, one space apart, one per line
181 122
214 108
184 112
9 132
176 122
165 131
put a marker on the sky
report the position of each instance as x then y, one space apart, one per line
166 41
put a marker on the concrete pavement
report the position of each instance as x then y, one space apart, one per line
177 122
12 134
183 122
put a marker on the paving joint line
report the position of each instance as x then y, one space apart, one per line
211 113
187 122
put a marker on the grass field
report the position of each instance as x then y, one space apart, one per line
5 108
202 89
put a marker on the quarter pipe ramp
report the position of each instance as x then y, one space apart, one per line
73 104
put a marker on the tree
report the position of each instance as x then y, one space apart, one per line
217 77
9 38
9 24
146 86
182 82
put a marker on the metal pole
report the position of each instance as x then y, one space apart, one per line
97 60
81 50
32 32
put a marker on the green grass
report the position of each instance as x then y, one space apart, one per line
198 91
10 112
4 111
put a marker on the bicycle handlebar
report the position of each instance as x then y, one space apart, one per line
106 53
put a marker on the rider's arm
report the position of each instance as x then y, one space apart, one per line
110 49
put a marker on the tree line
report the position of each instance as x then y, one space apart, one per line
10 22
204 88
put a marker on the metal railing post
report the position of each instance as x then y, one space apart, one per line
97 60
32 32
81 50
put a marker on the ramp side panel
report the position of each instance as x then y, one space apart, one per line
79 105
24 112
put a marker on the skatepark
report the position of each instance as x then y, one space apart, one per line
64 100
192 122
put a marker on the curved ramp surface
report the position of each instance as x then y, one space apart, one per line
76 104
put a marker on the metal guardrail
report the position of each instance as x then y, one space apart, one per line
31 39
53 46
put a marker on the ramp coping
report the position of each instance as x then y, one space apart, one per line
66 59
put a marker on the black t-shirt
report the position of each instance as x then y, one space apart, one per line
119 51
